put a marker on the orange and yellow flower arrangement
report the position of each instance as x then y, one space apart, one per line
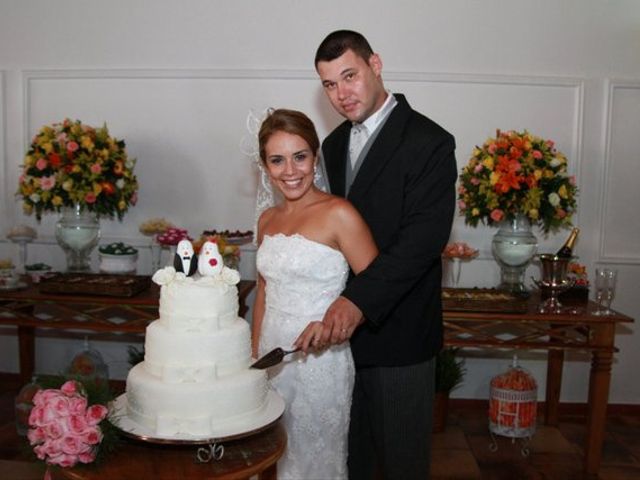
517 173
70 163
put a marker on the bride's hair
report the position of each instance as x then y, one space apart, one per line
294 123
289 121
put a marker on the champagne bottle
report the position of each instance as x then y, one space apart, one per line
566 251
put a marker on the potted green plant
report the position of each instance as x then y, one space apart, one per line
449 375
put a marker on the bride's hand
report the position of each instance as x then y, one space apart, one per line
311 337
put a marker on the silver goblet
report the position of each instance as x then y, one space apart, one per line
554 280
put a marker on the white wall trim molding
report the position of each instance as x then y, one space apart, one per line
169 73
612 86
4 186
526 80
572 90
574 83
32 75
298 74
577 84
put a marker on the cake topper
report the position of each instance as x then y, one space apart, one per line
209 259
185 260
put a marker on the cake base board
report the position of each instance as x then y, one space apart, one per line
266 419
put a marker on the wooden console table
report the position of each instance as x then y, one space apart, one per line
135 460
577 329
29 309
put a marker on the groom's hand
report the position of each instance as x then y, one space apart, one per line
340 321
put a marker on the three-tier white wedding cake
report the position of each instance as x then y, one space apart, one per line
195 380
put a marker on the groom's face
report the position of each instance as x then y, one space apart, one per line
354 86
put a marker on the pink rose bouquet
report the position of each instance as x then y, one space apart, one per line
65 429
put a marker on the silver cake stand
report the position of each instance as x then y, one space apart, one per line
269 415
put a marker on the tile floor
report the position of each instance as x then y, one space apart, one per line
463 450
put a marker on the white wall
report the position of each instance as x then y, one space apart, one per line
176 80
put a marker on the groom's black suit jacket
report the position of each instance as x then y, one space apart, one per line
405 191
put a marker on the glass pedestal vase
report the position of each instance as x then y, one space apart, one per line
156 254
513 246
77 233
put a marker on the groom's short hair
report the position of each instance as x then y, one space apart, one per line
338 42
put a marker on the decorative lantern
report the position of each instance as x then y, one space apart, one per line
88 365
513 405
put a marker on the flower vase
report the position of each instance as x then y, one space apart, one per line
172 253
231 261
77 233
513 246
156 254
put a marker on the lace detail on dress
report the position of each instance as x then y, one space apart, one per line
303 278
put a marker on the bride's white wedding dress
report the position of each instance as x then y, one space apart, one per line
303 278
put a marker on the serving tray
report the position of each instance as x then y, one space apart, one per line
236 237
114 285
483 300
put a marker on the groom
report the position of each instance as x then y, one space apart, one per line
398 168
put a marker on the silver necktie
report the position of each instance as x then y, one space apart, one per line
357 140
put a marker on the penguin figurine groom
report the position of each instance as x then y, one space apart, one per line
185 260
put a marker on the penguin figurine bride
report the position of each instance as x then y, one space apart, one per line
209 261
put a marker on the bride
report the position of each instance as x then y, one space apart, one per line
307 243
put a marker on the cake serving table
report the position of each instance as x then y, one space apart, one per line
134 460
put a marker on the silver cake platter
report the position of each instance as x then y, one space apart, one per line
269 415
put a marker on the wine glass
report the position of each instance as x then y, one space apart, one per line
456 253
605 290
456 268
156 254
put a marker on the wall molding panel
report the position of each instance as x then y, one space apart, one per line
144 104
5 191
3 148
619 239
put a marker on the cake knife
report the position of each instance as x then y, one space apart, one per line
272 358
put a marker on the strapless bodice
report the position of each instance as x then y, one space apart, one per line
302 276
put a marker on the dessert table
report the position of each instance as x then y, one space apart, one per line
135 460
577 328
29 309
